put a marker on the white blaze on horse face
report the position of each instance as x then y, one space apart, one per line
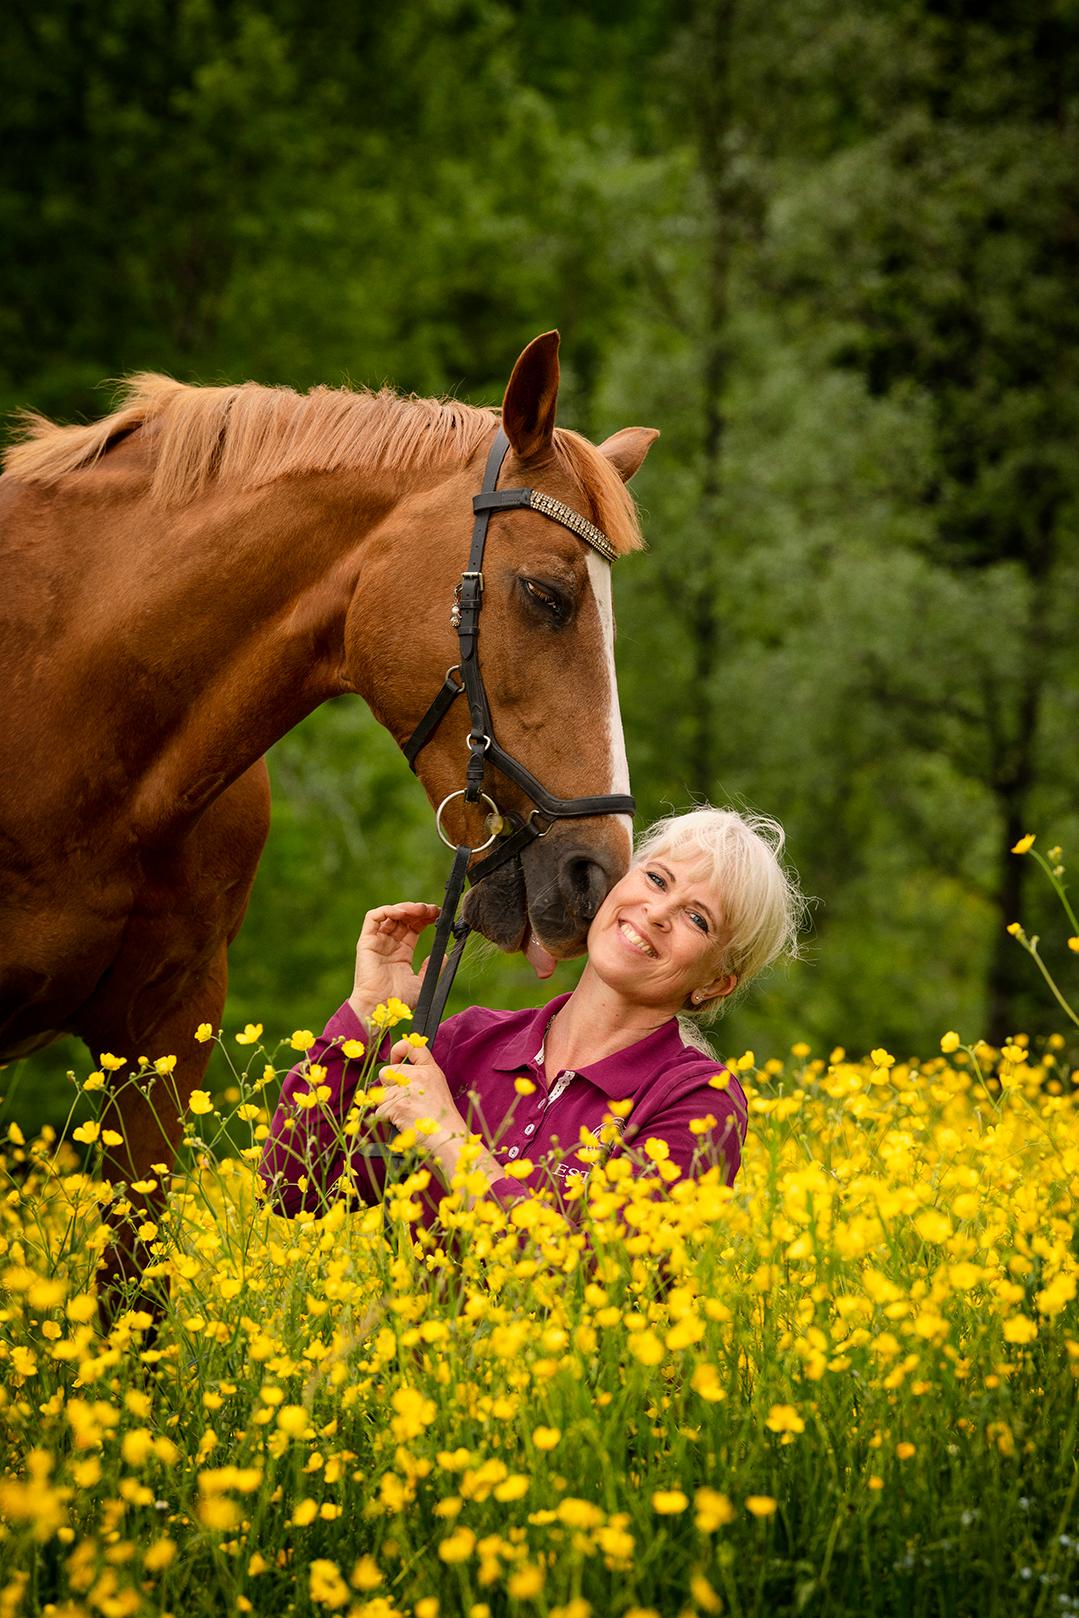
599 572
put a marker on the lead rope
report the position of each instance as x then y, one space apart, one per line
436 982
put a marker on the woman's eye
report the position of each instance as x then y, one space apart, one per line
545 598
698 920
654 876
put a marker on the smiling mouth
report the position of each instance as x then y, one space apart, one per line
635 941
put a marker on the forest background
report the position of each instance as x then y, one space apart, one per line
827 246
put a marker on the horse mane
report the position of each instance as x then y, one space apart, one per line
246 436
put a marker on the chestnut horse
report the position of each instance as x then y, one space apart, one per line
188 578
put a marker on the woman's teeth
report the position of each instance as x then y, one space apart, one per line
632 936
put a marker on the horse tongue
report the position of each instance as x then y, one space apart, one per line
541 960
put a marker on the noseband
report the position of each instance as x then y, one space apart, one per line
513 833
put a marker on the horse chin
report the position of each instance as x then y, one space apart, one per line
498 908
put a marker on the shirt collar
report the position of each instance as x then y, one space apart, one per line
618 1075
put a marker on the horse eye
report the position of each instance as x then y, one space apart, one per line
551 601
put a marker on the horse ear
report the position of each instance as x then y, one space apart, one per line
626 450
528 410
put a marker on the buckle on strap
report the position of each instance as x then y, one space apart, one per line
449 842
467 597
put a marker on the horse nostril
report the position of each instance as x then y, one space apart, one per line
585 885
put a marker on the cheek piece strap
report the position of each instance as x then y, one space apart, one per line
511 832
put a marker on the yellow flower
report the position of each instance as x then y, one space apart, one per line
706 1382
414 1413
801 1050
252 1032
949 1042
87 1133
646 1347
905 1450
204 1032
95 1081
1060 1291
668 1502
1015 929
1073 945
293 1420
703 1594
325 1583
164 1065
1020 1329
881 1058
390 1013
366 1574
714 1510
201 1102
160 1555
459 1546
301 1040
525 1582
137 1446
112 1064
546 1437
1025 844
312 1098
933 1226
353 1049
111 1137
784 1419
23 1361
760 1505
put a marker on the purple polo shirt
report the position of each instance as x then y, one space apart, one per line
482 1054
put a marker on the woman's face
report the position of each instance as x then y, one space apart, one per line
660 934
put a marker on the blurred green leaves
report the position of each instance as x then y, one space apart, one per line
826 248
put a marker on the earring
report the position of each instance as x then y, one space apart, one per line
696 997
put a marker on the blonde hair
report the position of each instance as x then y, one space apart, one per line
740 855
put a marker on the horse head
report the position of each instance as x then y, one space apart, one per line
545 655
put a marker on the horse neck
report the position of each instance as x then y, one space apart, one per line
240 631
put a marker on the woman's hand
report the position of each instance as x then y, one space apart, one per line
427 1096
384 952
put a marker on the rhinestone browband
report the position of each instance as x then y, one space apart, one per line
550 507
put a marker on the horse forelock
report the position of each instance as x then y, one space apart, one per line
248 435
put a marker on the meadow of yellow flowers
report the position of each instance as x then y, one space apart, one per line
848 1385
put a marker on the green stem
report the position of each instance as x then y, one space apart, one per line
1058 887
1032 949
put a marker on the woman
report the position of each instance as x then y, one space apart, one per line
705 906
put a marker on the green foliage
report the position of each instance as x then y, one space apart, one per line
825 248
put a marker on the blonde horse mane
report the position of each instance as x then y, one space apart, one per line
246 436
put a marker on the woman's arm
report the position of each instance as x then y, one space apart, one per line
307 1148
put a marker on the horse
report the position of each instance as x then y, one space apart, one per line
188 578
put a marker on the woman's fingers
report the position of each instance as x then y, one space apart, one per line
395 925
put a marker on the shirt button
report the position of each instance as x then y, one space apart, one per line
513 1151
529 1128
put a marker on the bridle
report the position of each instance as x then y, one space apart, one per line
511 832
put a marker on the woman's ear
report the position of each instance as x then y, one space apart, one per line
719 988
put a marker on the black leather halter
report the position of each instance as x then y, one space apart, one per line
512 833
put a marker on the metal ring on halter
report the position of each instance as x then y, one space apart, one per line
535 828
449 841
